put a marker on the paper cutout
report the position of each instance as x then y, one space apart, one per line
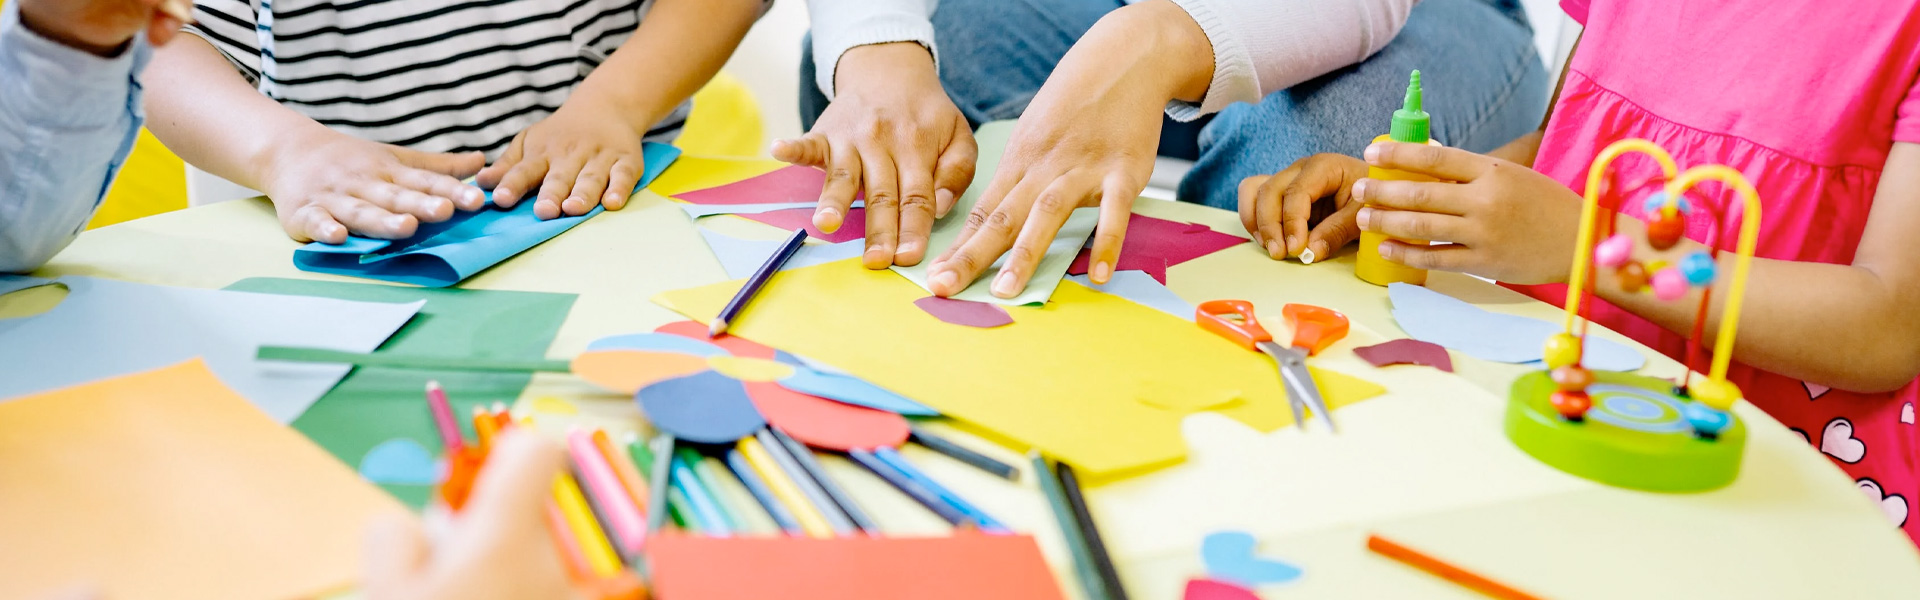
750 369
106 328
1229 556
550 405
992 141
1406 352
740 258
648 342
692 173
826 424
626 371
1098 349
445 253
707 210
168 484
792 184
1152 245
964 566
964 312
737 346
1143 288
399 461
1185 399
1431 316
704 408
373 405
855 391
1208 589
852 227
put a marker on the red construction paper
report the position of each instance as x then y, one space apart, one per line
827 424
964 566
737 346
852 228
1153 245
1407 352
964 312
788 184
1208 589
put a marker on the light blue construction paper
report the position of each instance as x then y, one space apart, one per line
399 461
707 210
740 258
1143 289
443 254
13 283
106 328
658 342
1229 557
853 390
1431 316
992 142
705 407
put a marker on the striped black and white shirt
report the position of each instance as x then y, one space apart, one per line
435 76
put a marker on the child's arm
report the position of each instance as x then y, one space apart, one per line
1852 327
588 152
323 183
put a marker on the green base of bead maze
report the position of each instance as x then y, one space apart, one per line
1676 461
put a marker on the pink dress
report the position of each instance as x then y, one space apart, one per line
1806 98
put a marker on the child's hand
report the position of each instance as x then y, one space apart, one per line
579 157
1505 221
100 27
497 547
1277 209
330 184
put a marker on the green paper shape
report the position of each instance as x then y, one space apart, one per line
374 404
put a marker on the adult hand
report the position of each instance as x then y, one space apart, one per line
498 545
103 27
1278 209
1504 221
327 184
892 133
1088 139
579 157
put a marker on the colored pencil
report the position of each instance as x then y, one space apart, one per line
1102 561
565 544
630 480
980 517
1088 575
678 503
411 361
586 530
782 517
1445 570
710 473
501 418
759 280
961 453
443 418
661 455
599 514
804 456
909 487
836 520
484 427
784 488
628 527
676 510
706 510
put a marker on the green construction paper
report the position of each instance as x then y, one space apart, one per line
375 404
394 360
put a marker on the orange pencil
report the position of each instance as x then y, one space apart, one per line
1444 570
565 543
624 468
501 418
484 427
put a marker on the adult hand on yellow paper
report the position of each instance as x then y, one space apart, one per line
891 132
1278 209
1503 220
1088 139
101 27
325 184
584 155
497 547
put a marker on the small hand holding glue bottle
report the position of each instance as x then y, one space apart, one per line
1410 125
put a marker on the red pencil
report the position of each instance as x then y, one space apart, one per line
1444 570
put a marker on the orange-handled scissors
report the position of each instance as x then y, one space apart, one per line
1314 328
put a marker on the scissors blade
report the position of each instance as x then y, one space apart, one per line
1301 389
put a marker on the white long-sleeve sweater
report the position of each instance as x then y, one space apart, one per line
1259 46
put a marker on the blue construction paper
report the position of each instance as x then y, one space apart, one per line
1143 289
445 253
853 390
705 407
740 258
1431 316
707 210
1228 556
106 328
657 342
399 461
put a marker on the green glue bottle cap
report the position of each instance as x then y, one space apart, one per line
1410 123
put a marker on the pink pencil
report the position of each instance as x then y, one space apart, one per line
628 527
443 417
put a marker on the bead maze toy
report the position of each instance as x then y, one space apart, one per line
1629 430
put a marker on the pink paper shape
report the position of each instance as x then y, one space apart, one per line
1208 589
1154 245
853 228
964 312
787 184
1407 352
1815 390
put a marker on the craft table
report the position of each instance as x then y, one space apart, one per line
1426 464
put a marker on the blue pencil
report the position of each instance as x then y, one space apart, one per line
706 510
758 280
980 517
908 486
801 454
781 516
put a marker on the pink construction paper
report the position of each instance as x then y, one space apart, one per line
1407 352
852 228
964 312
788 184
1154 245
1208 589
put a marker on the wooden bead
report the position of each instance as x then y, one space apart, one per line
1562 349
1572 378
1663 231
1633 277
1572 405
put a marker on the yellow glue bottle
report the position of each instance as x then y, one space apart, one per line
1410 124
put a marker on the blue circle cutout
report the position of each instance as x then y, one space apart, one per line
705 407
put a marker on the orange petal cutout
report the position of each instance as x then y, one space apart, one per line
626 371
736 345
826 424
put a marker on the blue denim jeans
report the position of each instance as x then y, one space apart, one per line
1482 77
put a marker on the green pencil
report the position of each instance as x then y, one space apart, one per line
1083 565
642 455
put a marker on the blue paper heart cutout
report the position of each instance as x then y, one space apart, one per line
705 407
1229 557
399 461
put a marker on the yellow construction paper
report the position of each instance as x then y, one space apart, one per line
691 173
1063 378
167 484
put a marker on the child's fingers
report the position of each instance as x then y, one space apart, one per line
953 172
809 150
917 206
313 223
524 176
843 183
990 232
464 197
457 166
1440 162
1048 214
516 483
1319 179
491 176
1422 196
590 186
1249 215
398 199
882 185
395 550
1116 208
621 180
1410 225
558 184
1444 257
364 219
1335 231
